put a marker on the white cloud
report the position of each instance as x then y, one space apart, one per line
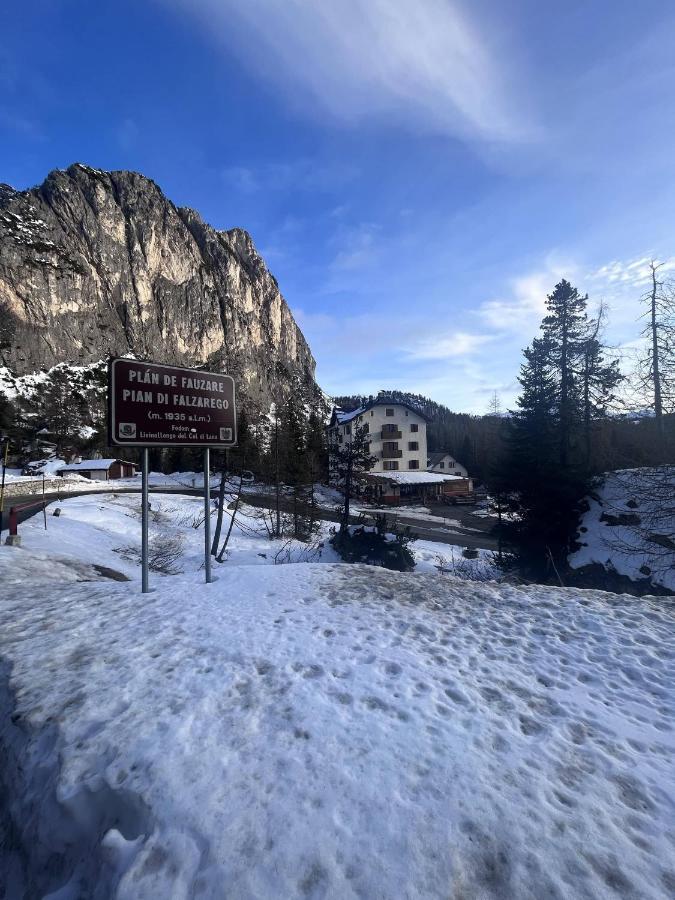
399 338
635 272
525 306
447 345
422 64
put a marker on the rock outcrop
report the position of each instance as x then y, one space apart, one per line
96 263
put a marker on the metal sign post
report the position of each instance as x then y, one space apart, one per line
207 515
153 405
144 523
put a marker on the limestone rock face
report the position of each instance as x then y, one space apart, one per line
96 263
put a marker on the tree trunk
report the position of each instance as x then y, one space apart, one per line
348 492
656 376
564 400
219 519
234 513
587 408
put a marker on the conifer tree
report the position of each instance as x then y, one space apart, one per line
352 460
295 469
565 330
566 386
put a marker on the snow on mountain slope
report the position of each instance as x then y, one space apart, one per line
337 731
630 526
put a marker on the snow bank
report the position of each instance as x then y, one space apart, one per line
338 731
630 526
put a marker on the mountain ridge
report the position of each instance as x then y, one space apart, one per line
96 263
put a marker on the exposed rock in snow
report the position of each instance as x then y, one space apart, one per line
629 527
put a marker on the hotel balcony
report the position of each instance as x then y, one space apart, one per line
393 435
391 454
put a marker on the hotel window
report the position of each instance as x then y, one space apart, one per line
366 428
413 463
389 412
451 465
442 465
413 445
390 465
414 427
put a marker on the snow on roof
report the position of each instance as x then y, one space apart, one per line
436 456
415 477
343 416
90 464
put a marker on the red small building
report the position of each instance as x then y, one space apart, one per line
100 469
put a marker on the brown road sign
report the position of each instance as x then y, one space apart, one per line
152 405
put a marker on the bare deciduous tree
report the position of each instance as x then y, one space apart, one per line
656 368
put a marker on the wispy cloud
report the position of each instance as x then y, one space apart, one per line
403 337
423 64
447 345
524 304
287 175
629 273
358 247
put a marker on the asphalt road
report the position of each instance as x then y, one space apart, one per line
474 536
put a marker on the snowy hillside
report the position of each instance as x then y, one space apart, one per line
630 526
83 379
324 730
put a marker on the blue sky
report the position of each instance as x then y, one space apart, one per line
418 175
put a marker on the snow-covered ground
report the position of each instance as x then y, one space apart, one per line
630 526
324 730
104 530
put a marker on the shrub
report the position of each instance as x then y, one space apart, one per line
376 545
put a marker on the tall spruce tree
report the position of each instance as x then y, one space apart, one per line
565 329
295 469
567 385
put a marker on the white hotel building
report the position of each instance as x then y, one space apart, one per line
397 434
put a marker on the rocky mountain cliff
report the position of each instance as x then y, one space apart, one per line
95 263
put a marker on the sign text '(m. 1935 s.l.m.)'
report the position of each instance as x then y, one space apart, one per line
150 404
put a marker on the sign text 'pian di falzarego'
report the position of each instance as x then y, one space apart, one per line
150 404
